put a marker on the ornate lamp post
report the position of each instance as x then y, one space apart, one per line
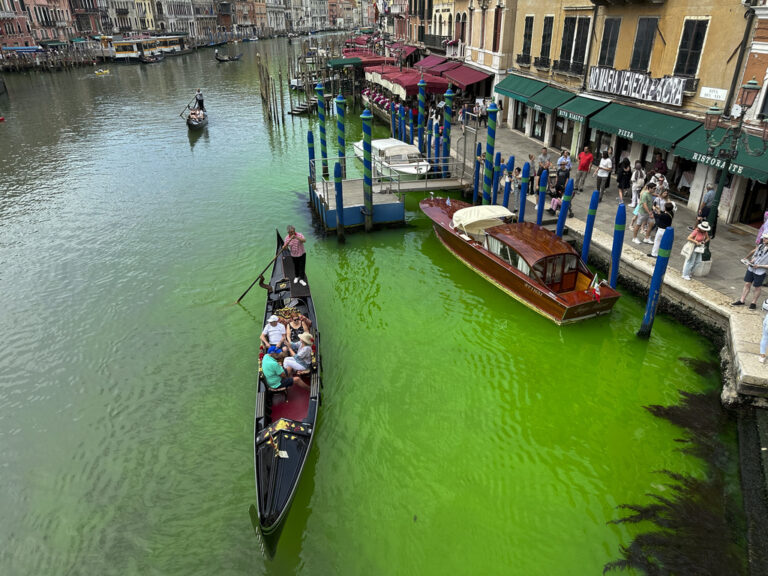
733 135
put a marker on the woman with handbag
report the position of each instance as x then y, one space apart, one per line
758 266
694 248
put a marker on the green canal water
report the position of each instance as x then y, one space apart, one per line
459 432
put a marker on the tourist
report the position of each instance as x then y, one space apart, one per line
301 359
637 182
585 163
483 114
643 211
274 374
659 166
763 229
660 180
564 162
517 181
603 173
199 102
297 326
694 248
706 204
295 243
273 333
663 220
624 179
758 265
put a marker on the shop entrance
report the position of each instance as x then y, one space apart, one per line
755 203
562 137
539 125
521 115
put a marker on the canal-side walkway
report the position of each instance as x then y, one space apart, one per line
703 301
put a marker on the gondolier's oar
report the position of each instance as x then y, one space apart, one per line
181 114
259 276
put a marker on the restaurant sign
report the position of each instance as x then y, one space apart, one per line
718 163
637 85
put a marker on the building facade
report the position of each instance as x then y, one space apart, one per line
14 26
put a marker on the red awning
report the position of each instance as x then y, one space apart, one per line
464 76
410 81
444 67
429 61
407 51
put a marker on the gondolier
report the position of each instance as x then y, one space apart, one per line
199 102
295 243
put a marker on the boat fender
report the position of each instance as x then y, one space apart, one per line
2 118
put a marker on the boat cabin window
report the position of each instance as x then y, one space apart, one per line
558 272
498 248
522 265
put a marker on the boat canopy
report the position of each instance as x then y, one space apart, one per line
475 219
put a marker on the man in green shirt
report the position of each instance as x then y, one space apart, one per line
643 212
273 372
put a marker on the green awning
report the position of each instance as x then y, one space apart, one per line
652 128
694 147
52 43
342 62
78 39
580 108
519 87
548 99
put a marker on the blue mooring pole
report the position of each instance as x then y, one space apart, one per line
564 207
392 119
339 203
490 144
447 116
367 119
590 225
436 142
496 176
476 181
320 91
656 282
542 196
311 150
618 243
422 111
525 182
402 123
410 140
341 113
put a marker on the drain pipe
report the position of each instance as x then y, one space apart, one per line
750 16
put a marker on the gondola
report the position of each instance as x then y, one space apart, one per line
197 123
284 423
151 59
228 58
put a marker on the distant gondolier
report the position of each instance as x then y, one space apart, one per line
199 103
295 243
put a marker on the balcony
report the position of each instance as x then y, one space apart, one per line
7 15
568 67
436 42
225 9
121 11
523 59
542 63
62 24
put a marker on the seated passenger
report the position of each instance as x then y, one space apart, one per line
297 326
274 333
274 375
300 361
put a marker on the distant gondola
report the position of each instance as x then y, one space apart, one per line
197 122
284 423
151 59
228 58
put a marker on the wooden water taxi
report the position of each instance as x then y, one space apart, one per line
392 158
529 262
284 423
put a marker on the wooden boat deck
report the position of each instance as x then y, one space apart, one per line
386 192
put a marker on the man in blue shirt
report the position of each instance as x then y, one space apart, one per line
273 372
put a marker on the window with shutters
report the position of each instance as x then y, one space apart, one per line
569 32
528 35
546 36
580 43
496 29
641 54
691 44
608 45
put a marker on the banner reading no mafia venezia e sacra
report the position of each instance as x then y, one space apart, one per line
637 85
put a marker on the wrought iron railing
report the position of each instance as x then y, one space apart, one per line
523 59
568 67
435 41
542 62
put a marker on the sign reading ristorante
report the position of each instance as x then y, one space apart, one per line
637 85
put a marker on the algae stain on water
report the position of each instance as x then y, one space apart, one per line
459 431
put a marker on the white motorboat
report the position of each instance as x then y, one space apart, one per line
392 158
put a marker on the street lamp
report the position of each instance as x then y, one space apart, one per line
733 135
